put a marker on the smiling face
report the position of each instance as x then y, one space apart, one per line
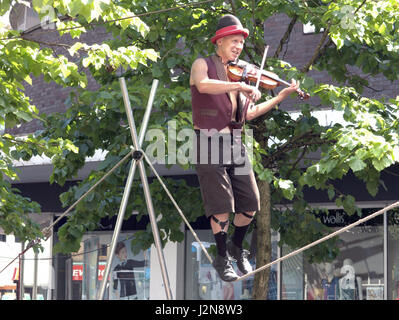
229 48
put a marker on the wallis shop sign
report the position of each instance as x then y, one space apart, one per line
339 218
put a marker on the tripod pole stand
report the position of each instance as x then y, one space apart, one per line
137 161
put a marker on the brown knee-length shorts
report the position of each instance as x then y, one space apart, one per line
225 175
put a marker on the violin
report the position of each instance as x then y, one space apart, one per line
268 80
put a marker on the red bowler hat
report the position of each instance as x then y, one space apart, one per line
228 25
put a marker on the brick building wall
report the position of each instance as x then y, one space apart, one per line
50 97
301 48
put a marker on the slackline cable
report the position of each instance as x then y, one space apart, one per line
331 235
178 208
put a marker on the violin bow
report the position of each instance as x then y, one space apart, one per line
262 66
260 72
250 105
301 94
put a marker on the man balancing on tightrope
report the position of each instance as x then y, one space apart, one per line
218 111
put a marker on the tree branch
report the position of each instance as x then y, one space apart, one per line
285 37
233 7
359 7
316 54
291 145
48 44
22 142
319 50
297 161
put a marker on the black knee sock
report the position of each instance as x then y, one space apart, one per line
220 239
239 234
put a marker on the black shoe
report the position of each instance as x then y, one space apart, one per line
224 268
241 256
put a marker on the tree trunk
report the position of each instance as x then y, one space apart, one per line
263 242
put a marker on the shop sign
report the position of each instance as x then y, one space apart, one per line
77 271
339 218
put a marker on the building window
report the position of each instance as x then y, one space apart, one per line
310 28
25 18
202 281
393 254
129 277
3 238
357 273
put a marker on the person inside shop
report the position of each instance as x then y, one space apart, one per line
124 284
219 108
350 285
330 283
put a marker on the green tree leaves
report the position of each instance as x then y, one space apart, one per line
21 60
368 141
291 153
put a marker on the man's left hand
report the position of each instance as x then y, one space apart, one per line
294 87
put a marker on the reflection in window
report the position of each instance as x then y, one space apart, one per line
130 274
393 254
356 274
129 277
202 281
292 276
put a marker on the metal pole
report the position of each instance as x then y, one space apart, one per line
129 112
125 198
118 227
19 278
21 273
385 228
34 289
147 113
155 231
130 178
144 181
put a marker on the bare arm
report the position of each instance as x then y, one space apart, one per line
199 78
266 106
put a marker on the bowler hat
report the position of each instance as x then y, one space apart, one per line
228 25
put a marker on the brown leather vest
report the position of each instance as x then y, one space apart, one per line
213 111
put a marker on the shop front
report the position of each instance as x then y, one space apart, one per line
129 276
366 268
357 273
27 276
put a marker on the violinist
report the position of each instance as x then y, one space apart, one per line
218 109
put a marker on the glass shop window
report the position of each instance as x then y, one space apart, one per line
129 277
357 273
393 254
202 281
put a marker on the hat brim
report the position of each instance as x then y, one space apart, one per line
228 31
